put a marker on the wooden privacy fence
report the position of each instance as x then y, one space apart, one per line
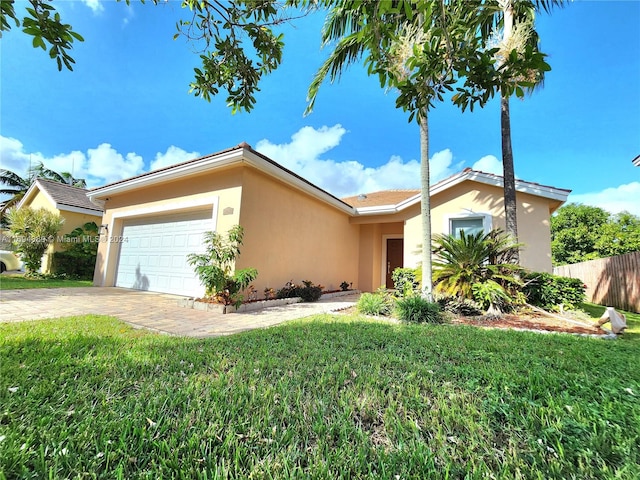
612 281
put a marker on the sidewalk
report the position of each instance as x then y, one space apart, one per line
154 311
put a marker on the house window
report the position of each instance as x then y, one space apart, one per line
469 223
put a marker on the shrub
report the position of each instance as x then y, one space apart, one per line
33 231
375 304
459 306
405 281
307 291
549 291
214 267
415 309
79 258
491 296
344 286
310 292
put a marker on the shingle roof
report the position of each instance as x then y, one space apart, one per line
67 195
378 199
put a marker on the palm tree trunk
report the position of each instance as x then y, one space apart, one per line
425 208
510 206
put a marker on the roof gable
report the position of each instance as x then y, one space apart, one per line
240 154
63 197
376 207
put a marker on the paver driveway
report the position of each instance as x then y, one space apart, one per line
155 311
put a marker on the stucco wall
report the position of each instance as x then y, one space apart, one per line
533 220
72 220
221 190
289 235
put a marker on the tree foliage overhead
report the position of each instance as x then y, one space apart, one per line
45 25
582 232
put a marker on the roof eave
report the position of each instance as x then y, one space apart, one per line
179 171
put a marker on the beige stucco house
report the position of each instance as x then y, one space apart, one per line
71 203
293 229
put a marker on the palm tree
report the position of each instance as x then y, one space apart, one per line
17 186
411 50
518 35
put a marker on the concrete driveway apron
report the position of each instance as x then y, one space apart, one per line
154 311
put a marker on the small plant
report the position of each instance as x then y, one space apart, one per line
252 293
491 296
344 286
269 293
375 304
308 292
214 267
415 309
405 281
289 290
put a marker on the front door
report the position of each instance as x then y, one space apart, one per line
395 254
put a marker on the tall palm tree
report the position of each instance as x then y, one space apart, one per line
518 35
410 49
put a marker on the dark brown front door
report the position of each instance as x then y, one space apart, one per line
395 254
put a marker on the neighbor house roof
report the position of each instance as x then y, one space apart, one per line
381 202
63 197
240 154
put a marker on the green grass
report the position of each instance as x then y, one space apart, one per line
326 397
14 282
633 320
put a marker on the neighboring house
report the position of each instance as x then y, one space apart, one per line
293 229
71 203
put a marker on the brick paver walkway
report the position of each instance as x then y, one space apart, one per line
154 311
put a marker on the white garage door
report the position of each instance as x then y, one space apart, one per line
153 255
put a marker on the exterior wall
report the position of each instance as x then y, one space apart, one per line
220 191
290 235
72 220
533 221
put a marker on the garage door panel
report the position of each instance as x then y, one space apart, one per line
154 257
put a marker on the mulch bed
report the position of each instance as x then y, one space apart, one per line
530 322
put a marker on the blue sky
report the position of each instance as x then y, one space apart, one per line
126 108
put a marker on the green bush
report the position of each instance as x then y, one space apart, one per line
81 249
491 296
307 291
215 267
459 306
375 304
405 281
415 309
549 291
70 264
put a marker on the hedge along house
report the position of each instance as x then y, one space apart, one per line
71 203
293 229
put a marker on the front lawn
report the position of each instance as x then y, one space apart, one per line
326 397
15 281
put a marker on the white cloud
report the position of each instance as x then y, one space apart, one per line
98 165
172 156
94 5
302 155
613 199
489 164
105 163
